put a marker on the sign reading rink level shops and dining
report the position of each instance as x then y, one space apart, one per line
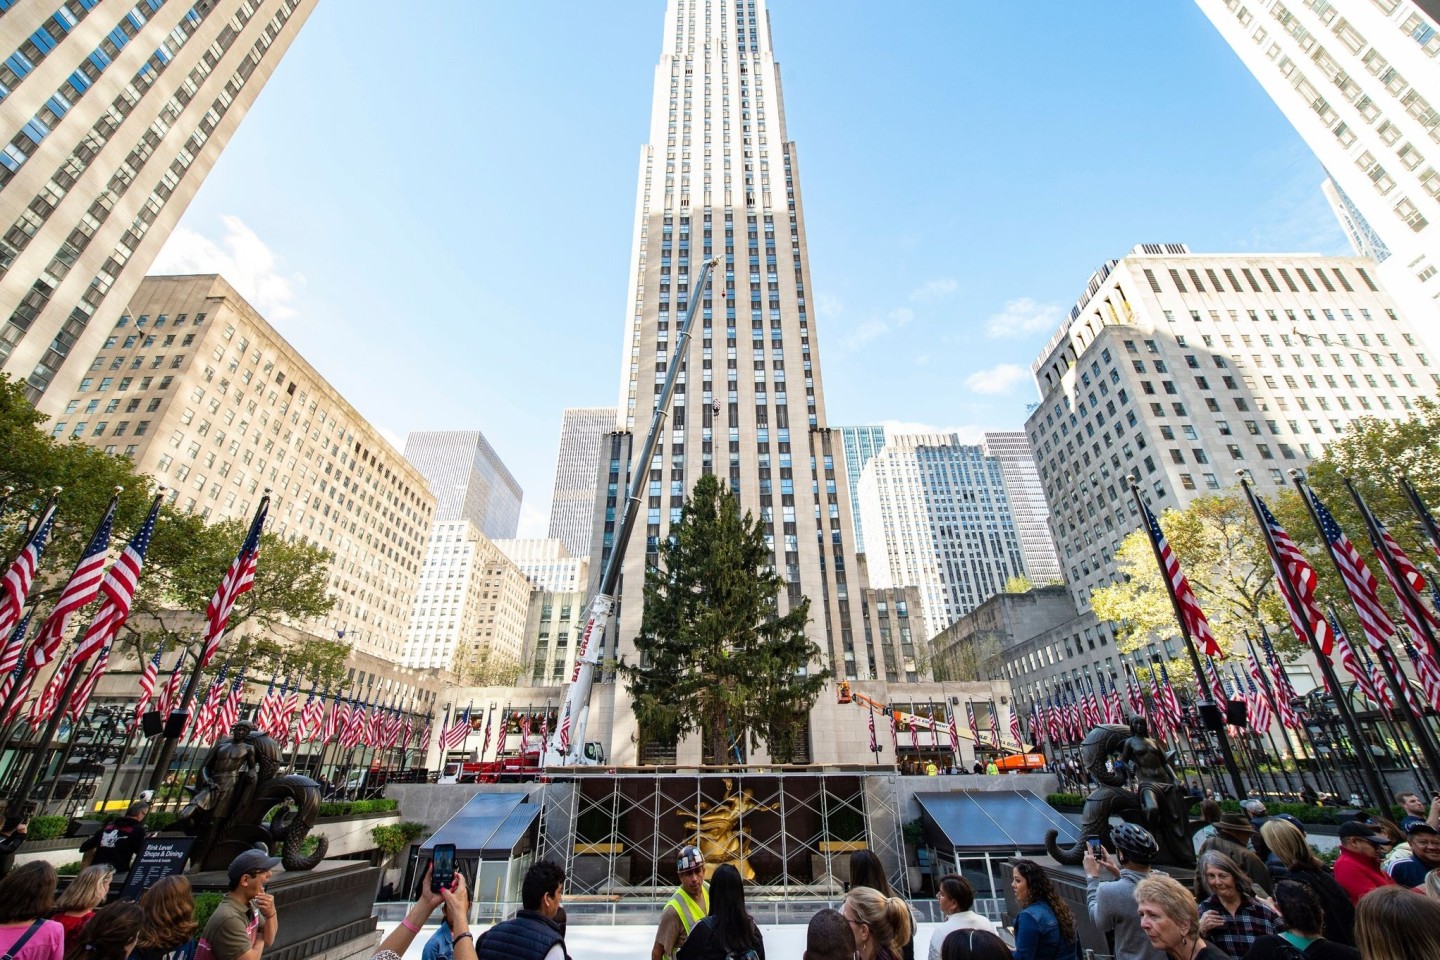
161 857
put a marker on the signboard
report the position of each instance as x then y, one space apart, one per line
160 857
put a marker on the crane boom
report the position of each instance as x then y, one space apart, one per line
566 745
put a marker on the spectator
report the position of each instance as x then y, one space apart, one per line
244 923
1170 919
169 929
532 933
440 946
457 918
1413 810
1233 836
77 904
110 935
1432 885
975 945
1302 913
1045 928
1391 923
1399 845
1357 869
1210 813
1112 904
686 907
880 924
828 937
866 870
27 897
12 834
957 901
1299 863
1424 856
1256 811
728 932
1231 918
120 840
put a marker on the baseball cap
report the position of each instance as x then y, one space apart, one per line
252 861
1422 827
1354 828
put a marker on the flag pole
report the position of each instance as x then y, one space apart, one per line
1383 649
1370 776
1201 680
1427 522
1276 714
17 689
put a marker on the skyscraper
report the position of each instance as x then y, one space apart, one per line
577 476
858 445
468 479
113 114
719 178
939 519
1359 82
1027 503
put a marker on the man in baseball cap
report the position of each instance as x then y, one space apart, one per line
1424 856
1357 869
687 906
244 923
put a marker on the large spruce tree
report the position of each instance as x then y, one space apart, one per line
716 658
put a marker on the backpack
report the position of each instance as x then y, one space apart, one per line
15 947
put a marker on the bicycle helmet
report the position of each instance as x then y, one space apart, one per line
1135 842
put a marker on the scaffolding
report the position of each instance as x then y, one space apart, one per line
789 832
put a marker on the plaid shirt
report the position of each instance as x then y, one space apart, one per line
1242 928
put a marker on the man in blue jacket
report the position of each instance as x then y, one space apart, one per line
532 934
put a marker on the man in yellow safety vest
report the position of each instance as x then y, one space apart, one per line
686 907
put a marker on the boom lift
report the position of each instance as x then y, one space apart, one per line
566 746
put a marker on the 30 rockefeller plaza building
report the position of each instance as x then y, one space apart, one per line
719 178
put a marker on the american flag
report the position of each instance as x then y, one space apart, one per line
312 717
1054 721
1167 699
457 732
952 729
1360 583
80 590
1116 710
1353 666
1218 687
1015 727
49 700
355 725
1427 522
914 733
1261 703
237 580
147 684
1412 604
407 731
1284 691
425 736
335 720
287 709
205 716
1196 626
1089 705
11 657
994 725
86 688
264 718
170 699
545 730
1133 694
970 717
229 712
525 732
21 575
1428 672
1294 569
563 734
118 588
485 738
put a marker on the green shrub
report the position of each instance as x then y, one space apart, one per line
1065 800
160 819
913 831
70 869
390 839
310 842
346 808
205 904
46 827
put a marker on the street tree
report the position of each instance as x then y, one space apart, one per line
717 658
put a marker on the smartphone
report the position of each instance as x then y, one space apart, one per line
442 867
1094 843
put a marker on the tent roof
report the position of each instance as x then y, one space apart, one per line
488 827
1008 819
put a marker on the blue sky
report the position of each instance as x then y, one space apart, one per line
436 208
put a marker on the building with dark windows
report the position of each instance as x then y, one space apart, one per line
111 114
577 473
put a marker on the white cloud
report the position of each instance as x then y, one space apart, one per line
934 290
1023 317
967 433
876 327
997 379
395 440
242 258
828 307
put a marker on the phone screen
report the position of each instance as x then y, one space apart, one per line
442 868
1094 845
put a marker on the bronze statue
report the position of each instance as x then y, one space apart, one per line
1159 804
237 788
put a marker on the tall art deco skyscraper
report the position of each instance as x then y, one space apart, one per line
720 178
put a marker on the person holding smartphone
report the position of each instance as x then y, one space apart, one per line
457 920
1111 903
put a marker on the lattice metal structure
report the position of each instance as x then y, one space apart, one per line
789 833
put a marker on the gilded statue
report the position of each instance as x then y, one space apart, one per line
720 831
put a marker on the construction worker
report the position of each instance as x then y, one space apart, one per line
687 906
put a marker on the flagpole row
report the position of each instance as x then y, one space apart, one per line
1276 713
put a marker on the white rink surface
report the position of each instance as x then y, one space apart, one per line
785 942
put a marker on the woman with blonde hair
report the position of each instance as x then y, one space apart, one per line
1393 923
1171 920
1299 863
169 929
77 904
881 924
1431 886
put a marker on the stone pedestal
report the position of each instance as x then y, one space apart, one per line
325 912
